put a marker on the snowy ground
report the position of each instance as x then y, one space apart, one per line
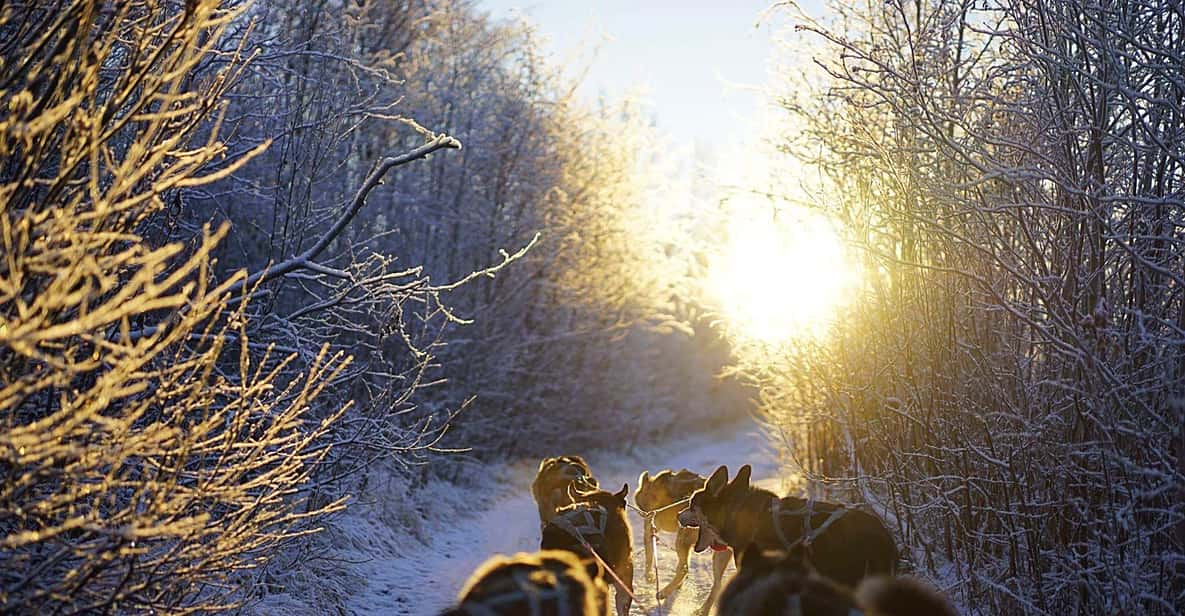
393 571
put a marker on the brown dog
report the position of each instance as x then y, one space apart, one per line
555 476
554 583
659 494
846 545
777 583
598 519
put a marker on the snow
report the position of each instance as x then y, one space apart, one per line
392 566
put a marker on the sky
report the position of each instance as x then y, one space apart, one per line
699 64
704 70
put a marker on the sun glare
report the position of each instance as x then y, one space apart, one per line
780 279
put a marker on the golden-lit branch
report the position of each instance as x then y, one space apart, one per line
141 472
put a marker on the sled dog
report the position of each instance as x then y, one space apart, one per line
660 494
555 583
598 519
777 583
555 476
845 545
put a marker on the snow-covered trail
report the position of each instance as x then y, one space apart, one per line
424 579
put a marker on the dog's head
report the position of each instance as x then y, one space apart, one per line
611 501
556 580
665 488
711 506
775 581
570 469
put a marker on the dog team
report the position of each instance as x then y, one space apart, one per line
794 557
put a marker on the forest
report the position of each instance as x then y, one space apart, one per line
290 285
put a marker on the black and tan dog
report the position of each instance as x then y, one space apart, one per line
777 583
554 478
598 518
659 494
846 545
555 583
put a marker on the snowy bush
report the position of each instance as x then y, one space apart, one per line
149 452
1007 385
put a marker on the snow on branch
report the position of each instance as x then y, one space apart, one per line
375 178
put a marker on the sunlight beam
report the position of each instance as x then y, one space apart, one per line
781 277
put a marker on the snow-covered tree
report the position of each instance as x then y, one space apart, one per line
150 451
1008 384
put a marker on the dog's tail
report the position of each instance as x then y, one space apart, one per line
902 596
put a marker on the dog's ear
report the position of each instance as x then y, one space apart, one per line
741 481
625 489
717 481
643 479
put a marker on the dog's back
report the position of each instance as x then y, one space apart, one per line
547 583
833 531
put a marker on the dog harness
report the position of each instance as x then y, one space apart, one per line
591 522
653 512
808 534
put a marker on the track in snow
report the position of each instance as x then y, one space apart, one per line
425 579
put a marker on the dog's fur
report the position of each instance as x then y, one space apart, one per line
614 544
901 596
777 583
769 583
854 546
547 583
554 478
664 489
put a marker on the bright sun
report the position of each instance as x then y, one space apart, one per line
777 279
